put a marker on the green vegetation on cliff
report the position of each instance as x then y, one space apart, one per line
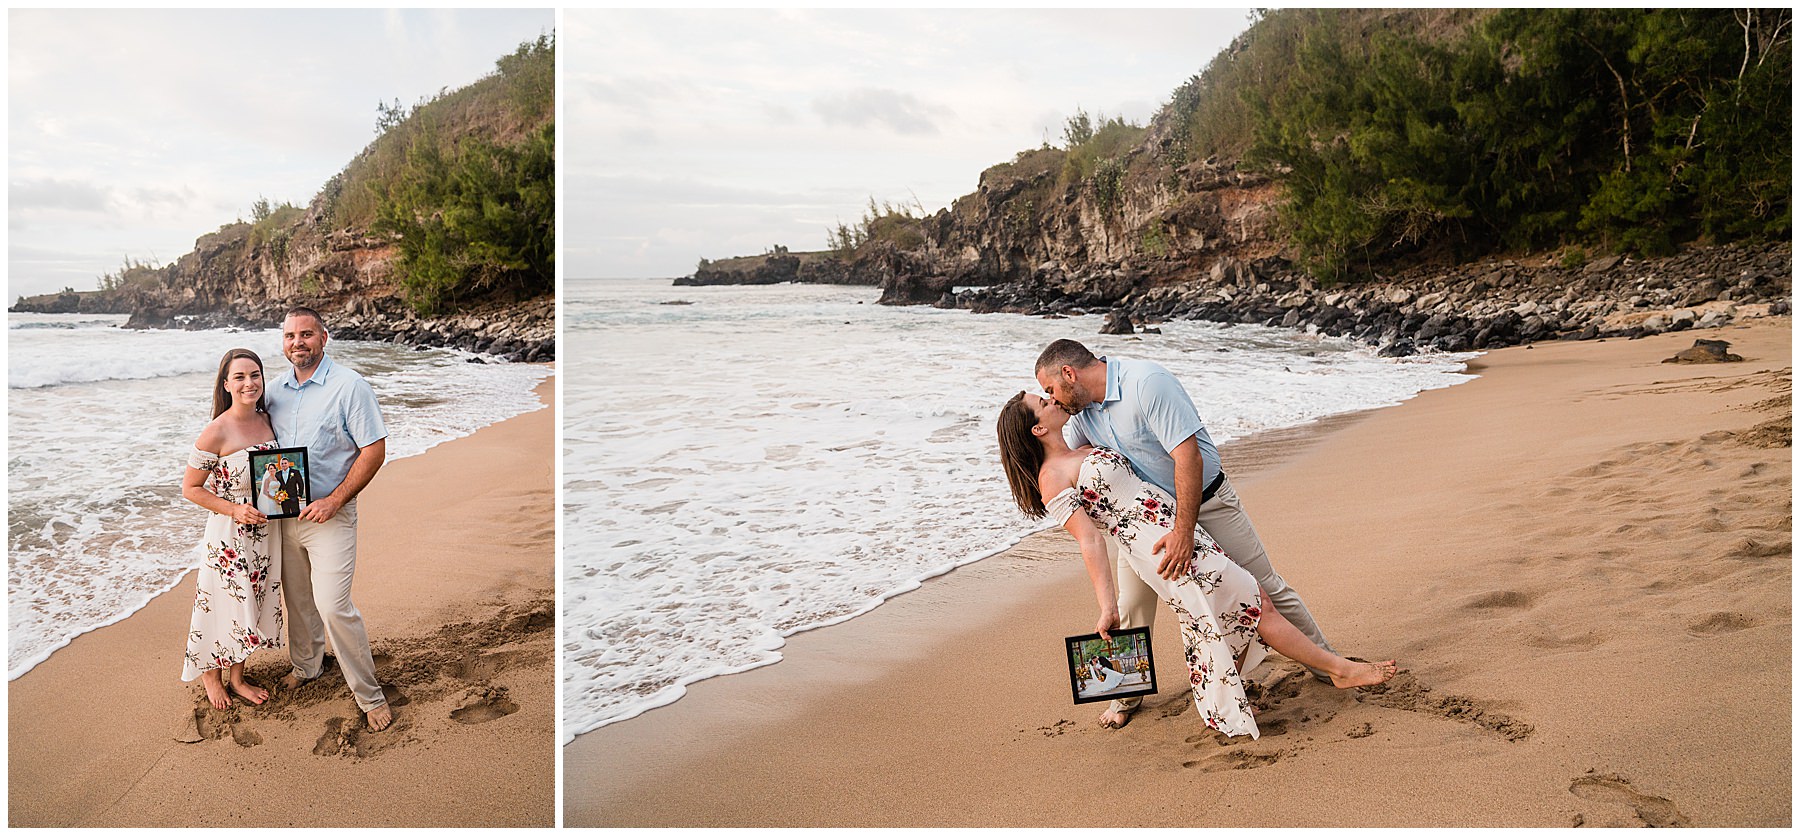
466 182
1395 132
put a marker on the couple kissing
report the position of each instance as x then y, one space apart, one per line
1115 451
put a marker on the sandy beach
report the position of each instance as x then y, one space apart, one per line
455 580
1582 560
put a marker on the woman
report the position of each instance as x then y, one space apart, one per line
1105 678
268 499
1227 623
237 607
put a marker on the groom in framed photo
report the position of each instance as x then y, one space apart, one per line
332 412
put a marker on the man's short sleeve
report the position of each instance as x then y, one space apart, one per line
362 415
1167 410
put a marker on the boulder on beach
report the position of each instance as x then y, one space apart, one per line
1707 351
1118 322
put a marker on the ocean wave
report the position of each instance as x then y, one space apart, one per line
98 527
799 458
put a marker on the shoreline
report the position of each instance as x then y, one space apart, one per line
544 392
457 590
1497 536
1248 454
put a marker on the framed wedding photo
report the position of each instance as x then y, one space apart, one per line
1107 670
279 479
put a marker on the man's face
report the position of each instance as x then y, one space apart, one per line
302 341
1061 384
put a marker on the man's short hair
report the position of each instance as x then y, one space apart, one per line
1065 353
302 310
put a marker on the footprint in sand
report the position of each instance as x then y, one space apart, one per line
1267 728
1720 623
208 723
1750 549
483 705
1654 811
1406 693
341 734
1236 759
478 666
1500 599
1276 688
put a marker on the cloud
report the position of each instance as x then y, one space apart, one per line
52 193
903 112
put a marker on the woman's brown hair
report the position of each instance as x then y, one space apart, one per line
1021 454
221 399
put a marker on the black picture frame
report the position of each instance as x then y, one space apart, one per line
263 463
1131 649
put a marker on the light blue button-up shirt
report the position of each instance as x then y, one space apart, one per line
333 415
1145 414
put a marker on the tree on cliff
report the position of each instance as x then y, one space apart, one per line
1628 129
474 216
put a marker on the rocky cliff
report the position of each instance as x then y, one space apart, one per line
1127 219
776 267
334 255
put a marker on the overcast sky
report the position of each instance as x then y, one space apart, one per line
135 132
690 134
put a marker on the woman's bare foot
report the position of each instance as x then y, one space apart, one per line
1359 674
380 717
256 696
215 689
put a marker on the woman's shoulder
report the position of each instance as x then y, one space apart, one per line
212 437
1057 477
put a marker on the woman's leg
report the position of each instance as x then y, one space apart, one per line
215 688
244 689
1287 640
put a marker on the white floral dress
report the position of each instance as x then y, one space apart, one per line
1217 602
237 605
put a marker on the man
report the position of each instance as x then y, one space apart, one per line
332 412
1138 408
294 485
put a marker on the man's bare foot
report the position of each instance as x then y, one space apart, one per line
1359 674
291 681
215 689
256 696
1113 718
380 717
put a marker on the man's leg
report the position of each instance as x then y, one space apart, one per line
306 630
1224 518
1137 608
332 548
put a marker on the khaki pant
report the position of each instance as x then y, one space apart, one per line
1224 519
318 560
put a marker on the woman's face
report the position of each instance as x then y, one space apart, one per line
243 381
1046 411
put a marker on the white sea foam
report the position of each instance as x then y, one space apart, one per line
100 421
767 460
